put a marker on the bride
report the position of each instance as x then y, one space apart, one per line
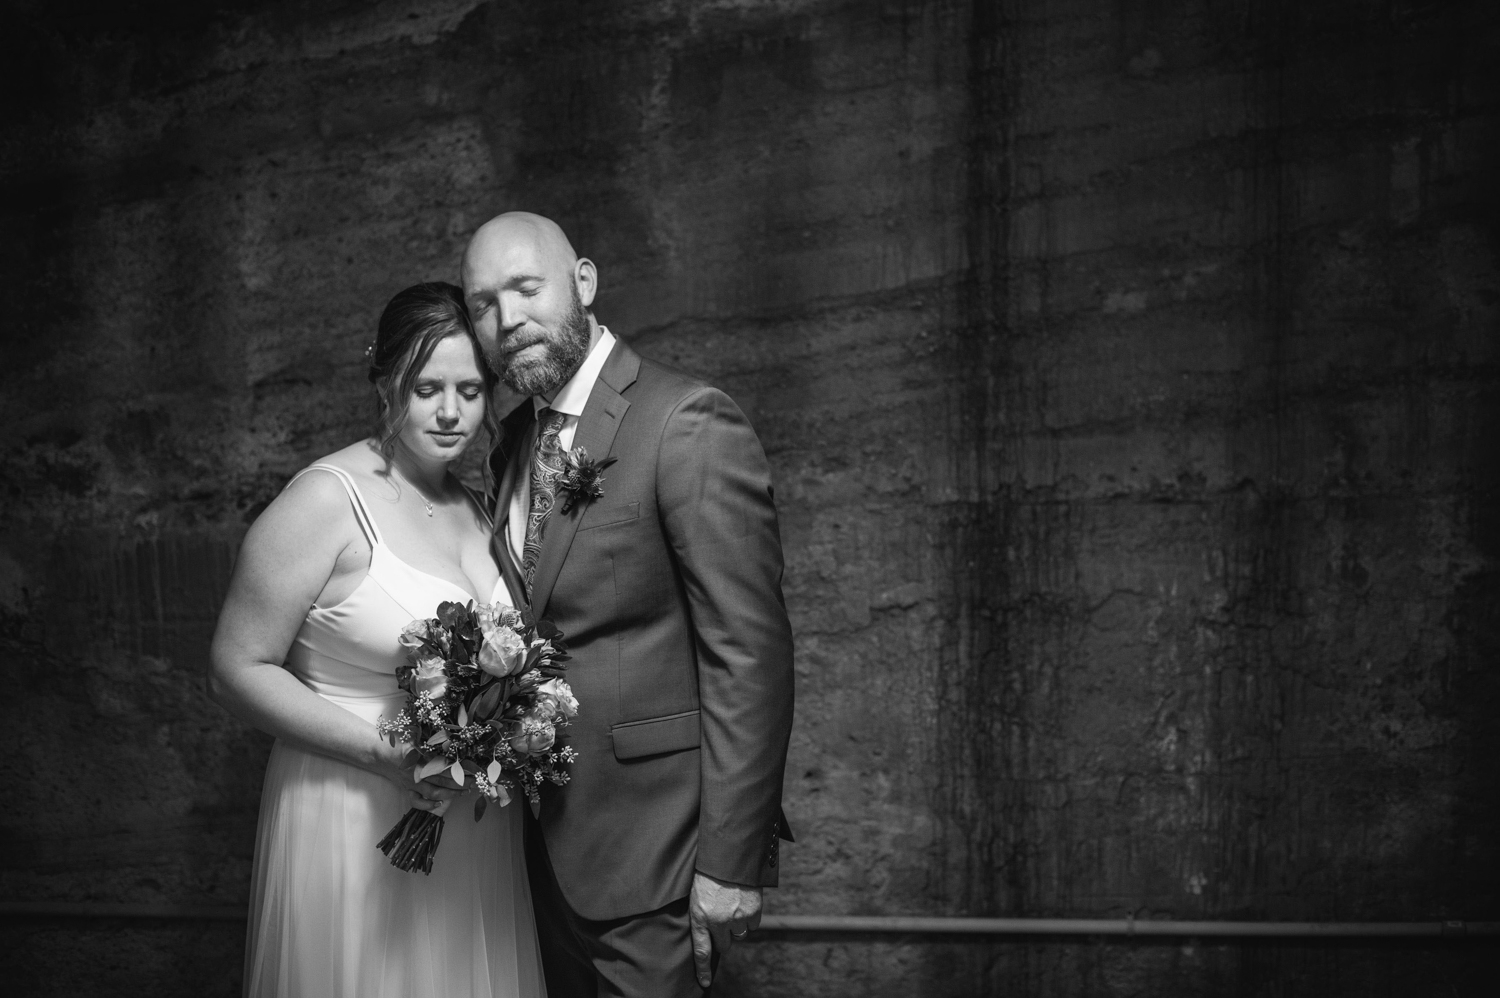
358 545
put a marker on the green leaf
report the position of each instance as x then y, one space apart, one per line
480 803
431 767
492 771
484 705
457 772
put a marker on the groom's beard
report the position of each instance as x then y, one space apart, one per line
562 356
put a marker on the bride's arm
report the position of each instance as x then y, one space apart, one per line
304 539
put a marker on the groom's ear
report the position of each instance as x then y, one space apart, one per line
586 278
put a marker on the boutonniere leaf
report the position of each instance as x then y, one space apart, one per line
581 480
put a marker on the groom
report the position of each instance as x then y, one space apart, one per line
667 588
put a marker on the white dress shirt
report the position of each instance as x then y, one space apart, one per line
569 400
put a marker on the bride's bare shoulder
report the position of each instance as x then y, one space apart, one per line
366 464
315 498
362 457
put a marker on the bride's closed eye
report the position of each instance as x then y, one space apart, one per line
468 390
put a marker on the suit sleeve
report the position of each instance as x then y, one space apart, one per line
714 491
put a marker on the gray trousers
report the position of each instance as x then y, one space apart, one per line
649 955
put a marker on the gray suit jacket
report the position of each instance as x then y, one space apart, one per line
668 593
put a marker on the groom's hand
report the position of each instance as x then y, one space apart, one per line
720 913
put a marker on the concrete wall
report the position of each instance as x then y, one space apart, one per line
1128 372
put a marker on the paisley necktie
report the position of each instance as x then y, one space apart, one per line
546 466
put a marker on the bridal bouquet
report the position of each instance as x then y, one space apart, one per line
485 700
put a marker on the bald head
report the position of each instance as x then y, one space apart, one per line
528 293
518 232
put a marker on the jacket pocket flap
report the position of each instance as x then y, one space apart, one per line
656 735
604 517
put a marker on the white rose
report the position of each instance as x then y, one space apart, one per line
534 738
559 690
503 652
429 677
413 634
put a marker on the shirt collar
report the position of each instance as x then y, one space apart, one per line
573 396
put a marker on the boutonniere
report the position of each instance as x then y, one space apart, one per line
581 480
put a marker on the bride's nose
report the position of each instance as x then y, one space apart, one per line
447 413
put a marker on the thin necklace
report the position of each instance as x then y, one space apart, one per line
425 501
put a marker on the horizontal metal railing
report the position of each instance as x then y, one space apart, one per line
888 924
1117 927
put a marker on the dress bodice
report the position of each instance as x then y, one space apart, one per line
348 653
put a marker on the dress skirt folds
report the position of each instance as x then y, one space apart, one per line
329 916
333 917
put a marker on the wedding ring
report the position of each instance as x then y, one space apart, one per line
740 934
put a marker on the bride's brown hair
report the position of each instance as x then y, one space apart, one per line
414 322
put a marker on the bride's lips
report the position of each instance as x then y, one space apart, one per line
445 436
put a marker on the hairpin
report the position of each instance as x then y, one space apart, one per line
370 353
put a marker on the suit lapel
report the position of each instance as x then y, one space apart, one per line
597 427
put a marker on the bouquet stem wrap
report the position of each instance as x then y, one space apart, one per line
413 843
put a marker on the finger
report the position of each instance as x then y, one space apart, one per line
719 933
432 791
702 948
753 922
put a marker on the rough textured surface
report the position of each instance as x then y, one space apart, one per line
1129 374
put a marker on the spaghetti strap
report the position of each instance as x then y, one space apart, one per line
361 513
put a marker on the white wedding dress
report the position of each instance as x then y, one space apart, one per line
329 916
